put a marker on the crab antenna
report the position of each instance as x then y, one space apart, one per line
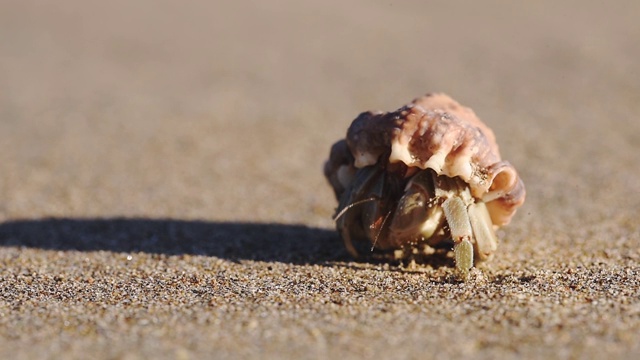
380 231
343 211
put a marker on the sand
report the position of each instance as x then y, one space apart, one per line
161 188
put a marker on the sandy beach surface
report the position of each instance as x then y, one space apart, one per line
161 188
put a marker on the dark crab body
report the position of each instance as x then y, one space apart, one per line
425 175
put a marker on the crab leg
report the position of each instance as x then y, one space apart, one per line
486 240
355 196
458 219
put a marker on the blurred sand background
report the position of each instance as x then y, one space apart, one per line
161 192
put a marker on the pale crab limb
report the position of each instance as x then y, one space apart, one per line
486 240
458 219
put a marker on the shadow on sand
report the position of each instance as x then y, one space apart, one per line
229 240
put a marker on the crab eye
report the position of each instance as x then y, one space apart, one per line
411 211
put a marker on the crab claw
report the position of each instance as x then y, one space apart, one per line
460 226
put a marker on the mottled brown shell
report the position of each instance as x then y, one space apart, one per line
435 132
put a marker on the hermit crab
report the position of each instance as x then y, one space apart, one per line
424 176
